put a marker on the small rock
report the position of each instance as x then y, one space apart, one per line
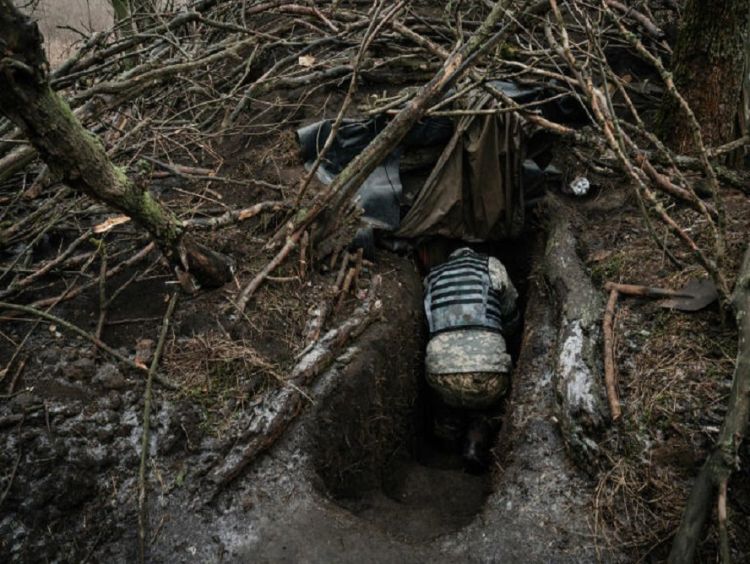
23 401
110 377
80 369
115 401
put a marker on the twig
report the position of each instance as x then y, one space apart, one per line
729 147
303 255
721 510
12 475
249 290
642 19
351 275
17 374
610 374
102 292
142 490
234 216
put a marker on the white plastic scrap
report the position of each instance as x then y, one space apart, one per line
580 185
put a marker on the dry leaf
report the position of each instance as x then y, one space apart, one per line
600 255
306 61
108 224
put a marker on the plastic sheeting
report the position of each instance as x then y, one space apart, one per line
474 192
381 193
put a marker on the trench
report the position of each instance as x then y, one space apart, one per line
373 449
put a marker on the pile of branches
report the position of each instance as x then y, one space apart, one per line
163 89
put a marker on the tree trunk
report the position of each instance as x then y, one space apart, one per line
77 157
708 67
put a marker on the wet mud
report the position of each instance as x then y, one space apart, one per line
355 479
348 484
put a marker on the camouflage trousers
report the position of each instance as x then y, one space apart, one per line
471 390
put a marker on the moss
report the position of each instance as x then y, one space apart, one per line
508 52
607 270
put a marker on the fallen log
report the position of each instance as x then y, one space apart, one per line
77 157
577 376
723 460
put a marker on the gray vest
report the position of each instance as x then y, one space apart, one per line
460 296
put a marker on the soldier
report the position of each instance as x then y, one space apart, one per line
470 304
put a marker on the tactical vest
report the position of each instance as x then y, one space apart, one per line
460 296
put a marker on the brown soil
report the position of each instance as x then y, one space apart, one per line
70 422
674 375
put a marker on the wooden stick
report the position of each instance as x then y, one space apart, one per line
234 216
142 509
610 373
103 302
249 290
351 276
721 510
645 291
315 324
303 255
351 273
342 272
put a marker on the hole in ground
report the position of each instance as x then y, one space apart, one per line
373 446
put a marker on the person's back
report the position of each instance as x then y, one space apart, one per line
470 305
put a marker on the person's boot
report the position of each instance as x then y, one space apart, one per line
477 442
448 428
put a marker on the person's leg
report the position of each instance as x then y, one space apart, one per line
448 423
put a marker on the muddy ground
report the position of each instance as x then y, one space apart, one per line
355 478
349 481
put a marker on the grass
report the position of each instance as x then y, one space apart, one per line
607 269
220 375
674 375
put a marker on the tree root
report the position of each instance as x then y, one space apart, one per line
578 371
282 409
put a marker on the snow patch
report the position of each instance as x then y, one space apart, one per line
573 369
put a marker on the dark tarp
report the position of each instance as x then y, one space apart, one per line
474 192
380 194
